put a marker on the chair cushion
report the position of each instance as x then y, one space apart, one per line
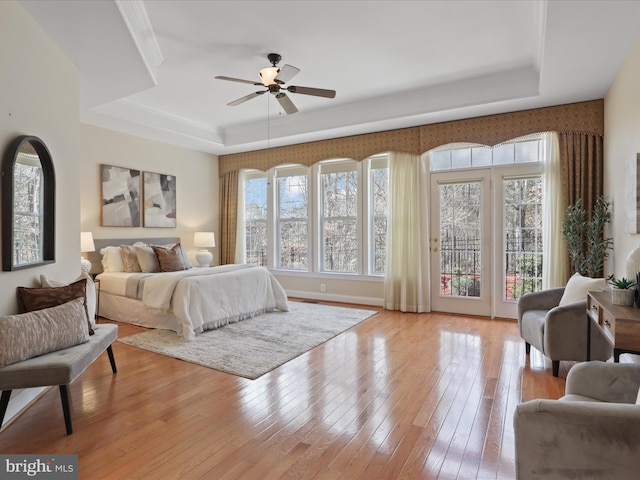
532 328
578 398
28 335
578 286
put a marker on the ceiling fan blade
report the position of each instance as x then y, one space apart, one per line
318 92
245 98
286 103
231 79
286 73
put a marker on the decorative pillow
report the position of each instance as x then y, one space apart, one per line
130 259
112 259
91 292
170 260
33 299
35 333
147 260
185 257
578 286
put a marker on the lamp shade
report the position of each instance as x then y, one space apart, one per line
204 239
268 75
86 242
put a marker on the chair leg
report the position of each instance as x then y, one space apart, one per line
4 403
555 365
112 359
527 347
66 407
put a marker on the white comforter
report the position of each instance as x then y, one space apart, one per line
207 298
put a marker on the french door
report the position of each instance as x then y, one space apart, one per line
486 239
460 242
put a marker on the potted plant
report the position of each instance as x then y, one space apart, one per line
587 242
622 292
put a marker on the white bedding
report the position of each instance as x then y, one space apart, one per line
202 298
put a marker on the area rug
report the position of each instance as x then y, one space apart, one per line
250 348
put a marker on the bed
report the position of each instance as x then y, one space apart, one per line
186 301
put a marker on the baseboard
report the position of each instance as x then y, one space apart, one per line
374 302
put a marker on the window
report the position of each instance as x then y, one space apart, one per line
522 236
329 218
28 214
461 156
255 191
293 218
339 216
378 188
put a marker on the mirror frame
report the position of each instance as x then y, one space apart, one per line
48 202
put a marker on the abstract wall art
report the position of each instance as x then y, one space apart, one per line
120 191
159 199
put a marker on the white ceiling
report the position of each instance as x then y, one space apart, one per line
147 68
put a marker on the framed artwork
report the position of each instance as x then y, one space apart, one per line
632 194
120 191
159 200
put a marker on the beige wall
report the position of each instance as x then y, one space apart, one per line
196 181
621 141
39 96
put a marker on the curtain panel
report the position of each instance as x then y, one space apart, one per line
228 216
406 281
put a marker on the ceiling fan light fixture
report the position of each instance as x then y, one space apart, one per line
268 75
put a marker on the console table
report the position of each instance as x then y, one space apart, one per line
619 323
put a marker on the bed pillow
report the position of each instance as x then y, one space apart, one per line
112 259
185 257
35 333
578 286
147 259
170 260
33 299
130 259
90 290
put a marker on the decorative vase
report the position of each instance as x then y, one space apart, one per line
622 296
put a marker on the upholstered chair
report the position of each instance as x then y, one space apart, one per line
591 432
556 325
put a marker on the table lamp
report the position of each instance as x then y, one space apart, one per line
204 240
86 245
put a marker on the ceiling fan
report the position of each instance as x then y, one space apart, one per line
274 78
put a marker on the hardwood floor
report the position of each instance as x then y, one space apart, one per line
399 396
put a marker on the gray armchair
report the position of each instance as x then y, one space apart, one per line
593 432
559 333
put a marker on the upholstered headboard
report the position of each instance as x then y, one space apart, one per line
95 257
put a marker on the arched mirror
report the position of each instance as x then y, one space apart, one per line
28 205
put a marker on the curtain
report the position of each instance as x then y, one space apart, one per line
241 244
581 167
406 282
554 255
228 216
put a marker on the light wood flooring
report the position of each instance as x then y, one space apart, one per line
399 396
